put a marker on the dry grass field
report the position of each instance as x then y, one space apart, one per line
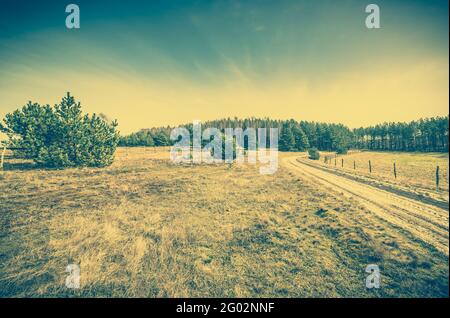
416 172
144 227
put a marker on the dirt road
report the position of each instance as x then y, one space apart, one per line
426 222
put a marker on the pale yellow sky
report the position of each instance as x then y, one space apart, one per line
153 63
401 91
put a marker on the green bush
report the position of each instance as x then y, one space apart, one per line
341 151
61 136
314 154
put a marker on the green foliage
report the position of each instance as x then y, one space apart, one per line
301 141
287 139
429 134
423 135
161 138
140 138
61 136
341 150
314 154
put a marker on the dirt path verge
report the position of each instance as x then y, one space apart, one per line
427 222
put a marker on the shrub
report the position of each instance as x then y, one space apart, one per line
341 151
61 136
314 154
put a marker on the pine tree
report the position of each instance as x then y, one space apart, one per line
422 135
161 139
287 139
301 141
60 136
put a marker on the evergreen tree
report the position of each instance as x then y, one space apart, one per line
60 136
287 139
301 141
161 139
422 135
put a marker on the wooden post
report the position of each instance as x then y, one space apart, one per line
2 157
395 171
370 166
354 165
342 163
437 177
335 160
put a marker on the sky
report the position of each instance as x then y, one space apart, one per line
159 63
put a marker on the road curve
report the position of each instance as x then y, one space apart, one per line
425 222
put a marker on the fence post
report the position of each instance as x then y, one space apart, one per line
437 177
395 171
370 166
2 157
342 163
354 165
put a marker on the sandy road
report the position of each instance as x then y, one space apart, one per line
425 222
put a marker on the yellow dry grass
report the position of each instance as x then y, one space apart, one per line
147 228
416 172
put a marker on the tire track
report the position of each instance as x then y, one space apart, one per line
425 222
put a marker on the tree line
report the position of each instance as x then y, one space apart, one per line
62 136
429 134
